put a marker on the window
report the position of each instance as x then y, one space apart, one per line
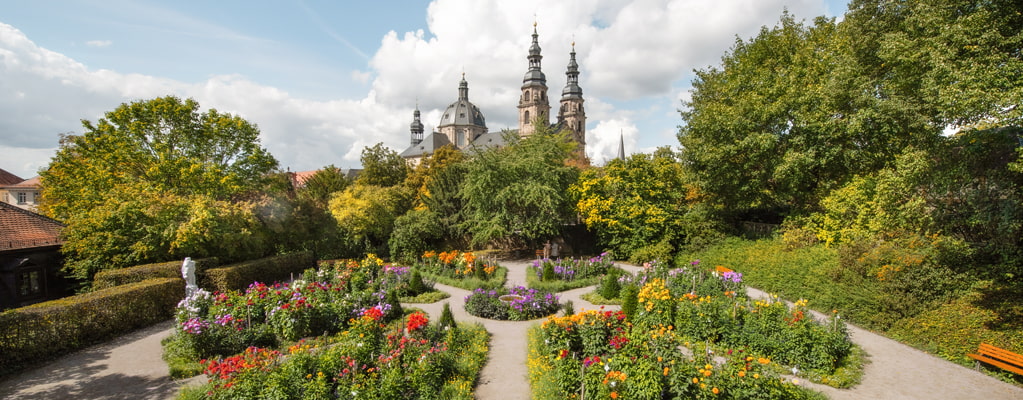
30 283
527 116
461 138
21 198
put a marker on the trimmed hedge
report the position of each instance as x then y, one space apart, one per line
239 276
170 269
46 330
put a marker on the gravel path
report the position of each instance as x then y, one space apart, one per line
130 367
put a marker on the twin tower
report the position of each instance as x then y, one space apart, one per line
464 126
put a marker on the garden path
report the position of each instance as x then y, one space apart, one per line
130 367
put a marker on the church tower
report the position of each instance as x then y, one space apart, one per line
416 127
572 116
534 103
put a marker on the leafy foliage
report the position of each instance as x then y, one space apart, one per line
519 192
382 166
156 179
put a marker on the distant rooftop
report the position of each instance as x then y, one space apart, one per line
21 229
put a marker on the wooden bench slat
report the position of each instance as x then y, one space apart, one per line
1000 353
999 357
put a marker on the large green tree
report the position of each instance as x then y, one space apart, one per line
153 180
756 134
519 192
639 206
382 166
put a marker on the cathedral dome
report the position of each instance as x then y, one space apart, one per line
462 112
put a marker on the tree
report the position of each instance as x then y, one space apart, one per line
137 185
382 166
323 184
638 205
519 192
367 213
758 134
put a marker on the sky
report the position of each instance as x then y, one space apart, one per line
324 79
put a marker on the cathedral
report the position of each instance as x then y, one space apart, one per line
464 126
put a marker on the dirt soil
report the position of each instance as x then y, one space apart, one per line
130 367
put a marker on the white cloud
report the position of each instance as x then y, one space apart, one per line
630 54
99 43
602 142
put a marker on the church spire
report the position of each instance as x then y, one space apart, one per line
463 89
534 104
416 127
572 89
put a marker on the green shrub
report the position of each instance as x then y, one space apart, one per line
630 300
241 275
170 269
46 330
610 287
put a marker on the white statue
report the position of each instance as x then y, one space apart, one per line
188 272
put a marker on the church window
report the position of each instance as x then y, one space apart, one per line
527 116
461 138
527 95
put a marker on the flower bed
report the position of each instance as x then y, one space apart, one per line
710 306
601 354
523 304
324 302
461 269
403 360
564 274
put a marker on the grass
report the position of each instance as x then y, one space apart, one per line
595 298
557 285
432 296
471 283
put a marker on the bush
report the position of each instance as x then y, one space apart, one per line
170 269
46 330
239 276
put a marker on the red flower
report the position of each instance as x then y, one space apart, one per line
416 321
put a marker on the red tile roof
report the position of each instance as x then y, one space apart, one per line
7 178
298 178
21 229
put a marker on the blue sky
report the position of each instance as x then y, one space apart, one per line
323 79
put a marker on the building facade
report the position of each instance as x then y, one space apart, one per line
463 124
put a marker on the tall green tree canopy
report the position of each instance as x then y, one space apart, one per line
382 166
800 109
519 192
152 180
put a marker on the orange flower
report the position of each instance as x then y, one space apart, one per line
665 371
715 390
696 380
763 360
614 395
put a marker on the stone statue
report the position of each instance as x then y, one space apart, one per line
188 272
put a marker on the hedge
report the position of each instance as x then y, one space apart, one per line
44 331
239 276
170 269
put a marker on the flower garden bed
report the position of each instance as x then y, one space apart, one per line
519 304
406 359
324 302
565 274
705 312
599 354
461 269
